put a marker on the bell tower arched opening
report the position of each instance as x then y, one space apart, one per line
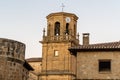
67 29
57 28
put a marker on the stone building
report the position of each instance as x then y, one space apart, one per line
63 58
36 63
97 61
12 60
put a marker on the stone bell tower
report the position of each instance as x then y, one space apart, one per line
57 62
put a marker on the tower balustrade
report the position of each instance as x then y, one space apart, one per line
59 38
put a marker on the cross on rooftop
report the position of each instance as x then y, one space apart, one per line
62 7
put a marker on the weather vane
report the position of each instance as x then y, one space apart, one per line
62 7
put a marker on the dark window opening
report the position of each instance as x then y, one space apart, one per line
57 28
104 65
67 28
74 30
48 31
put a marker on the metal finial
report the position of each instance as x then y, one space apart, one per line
62 7
78 35
43 31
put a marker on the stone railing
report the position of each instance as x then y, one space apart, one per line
60 38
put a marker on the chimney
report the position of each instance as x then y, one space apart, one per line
85 38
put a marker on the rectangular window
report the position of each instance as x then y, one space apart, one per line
56 53
104 65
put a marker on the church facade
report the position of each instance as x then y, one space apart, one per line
63 58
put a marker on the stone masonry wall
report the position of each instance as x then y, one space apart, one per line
88 65
37 70
12 54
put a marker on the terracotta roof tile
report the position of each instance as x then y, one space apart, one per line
110 45
34 60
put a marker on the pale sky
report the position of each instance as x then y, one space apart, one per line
24 20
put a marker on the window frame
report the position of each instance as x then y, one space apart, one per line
106 67
56 53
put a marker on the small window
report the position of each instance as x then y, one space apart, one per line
56 53
104 65
41 64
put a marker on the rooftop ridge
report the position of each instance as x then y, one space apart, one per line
108 45
35 59
105 43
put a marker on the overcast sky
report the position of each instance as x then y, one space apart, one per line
24 20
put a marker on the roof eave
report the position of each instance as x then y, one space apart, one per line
96 49
28 66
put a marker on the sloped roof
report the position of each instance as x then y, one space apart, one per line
28 66
61 13
34 60
100 46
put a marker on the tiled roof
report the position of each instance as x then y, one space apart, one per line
34 60
100 46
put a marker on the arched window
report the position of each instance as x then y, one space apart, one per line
57 28
48 29
67 28
74 29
